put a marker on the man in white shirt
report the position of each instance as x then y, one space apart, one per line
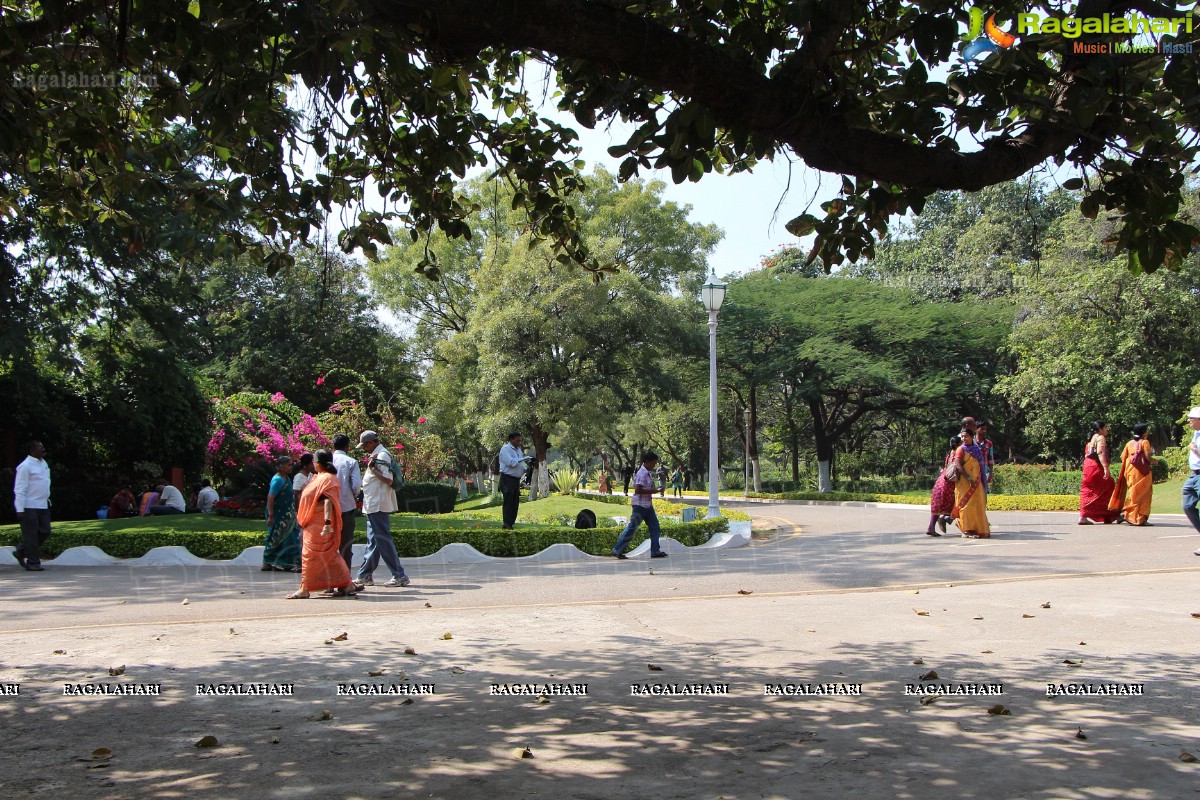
170 501
1191 487
379 501
642 508
349 475
206 497
31 496
513 463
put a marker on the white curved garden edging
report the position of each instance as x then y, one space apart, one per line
458 553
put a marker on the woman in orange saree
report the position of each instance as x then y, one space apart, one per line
1135 482
320 518
970 500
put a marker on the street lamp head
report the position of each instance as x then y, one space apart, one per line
713 293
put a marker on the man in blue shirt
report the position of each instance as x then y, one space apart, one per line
513 463
1191 487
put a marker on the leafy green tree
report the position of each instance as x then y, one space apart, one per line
406 98
1094 342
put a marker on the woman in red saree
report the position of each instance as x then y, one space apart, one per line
1135 479
941 499
320 518
1098 484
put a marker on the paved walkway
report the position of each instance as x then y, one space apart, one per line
847 596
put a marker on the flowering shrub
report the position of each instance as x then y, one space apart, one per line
243 508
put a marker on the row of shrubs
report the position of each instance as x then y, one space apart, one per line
419 498
410 543
663 507
995 502
1009 479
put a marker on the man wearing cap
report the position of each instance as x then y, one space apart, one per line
1191 487
379 501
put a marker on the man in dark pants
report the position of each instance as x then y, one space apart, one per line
513 463
31 497
627 474
350 477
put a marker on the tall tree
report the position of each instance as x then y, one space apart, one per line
412 95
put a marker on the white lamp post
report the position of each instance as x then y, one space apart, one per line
713 294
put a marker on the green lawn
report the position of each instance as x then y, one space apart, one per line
1168 497
174 523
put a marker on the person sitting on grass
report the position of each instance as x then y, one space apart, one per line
644 488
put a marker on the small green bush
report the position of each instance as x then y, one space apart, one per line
427 498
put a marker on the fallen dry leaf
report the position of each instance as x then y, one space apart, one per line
429 605
654 668
1079 734
810 630
914 591
329 641
1184 755
274 740
999 711
207 741
543 699
447 635
928 699
1196 615
324 715
1027 616
375 673
1083 642
918 661
341 637
60 652
102 752
410 651
921 612
930 676
522 752
985 651
232 632
1071 663
977 617
408 701
185 602
743 591
457 670
1045 605
115 671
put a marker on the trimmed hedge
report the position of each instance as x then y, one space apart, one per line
427 498
663 507
995 502
410 543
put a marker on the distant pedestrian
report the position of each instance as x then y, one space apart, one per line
1135 482
206 497
677 483
304 473
513 464
379 502
661 475
282 549
31 498
941 499
970 504
350 477
1191 487
687 479
627 475
1096 488
642 509
602 482
989 457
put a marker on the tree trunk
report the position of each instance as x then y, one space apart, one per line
539 482
824 449
824 484
752 443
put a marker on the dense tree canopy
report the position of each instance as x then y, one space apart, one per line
402 99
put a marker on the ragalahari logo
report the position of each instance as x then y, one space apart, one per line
984 38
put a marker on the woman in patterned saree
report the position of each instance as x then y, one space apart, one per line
941 500
282 552
1097 486
970 498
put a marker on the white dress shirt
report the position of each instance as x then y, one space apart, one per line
32 486
1193 459
512 461
350 477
